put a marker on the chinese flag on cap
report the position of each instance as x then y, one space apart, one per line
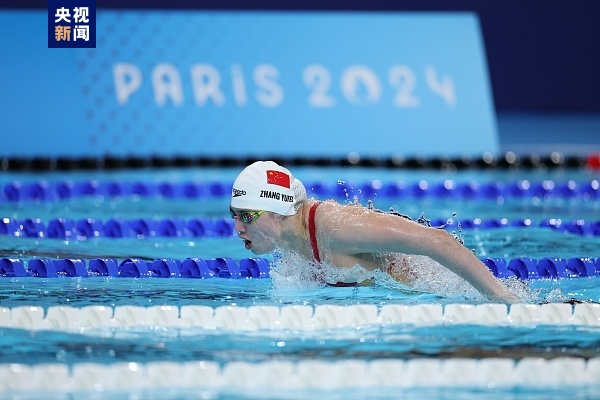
278 178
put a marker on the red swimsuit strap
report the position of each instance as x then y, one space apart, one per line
312 231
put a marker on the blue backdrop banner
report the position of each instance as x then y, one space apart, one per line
248 83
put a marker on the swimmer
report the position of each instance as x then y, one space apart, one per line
271 212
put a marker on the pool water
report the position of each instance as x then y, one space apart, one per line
227 346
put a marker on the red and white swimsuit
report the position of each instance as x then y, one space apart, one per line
312 233
392 268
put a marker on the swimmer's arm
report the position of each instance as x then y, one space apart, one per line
385 233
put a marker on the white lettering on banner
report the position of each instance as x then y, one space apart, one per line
445 89
317 78
128 79
240 94
403 80
359 85
207 85
265 76
167 84
358 79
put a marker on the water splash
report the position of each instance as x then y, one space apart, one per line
346 191
460 236
522 290
554 296
428 275
423 220
292 271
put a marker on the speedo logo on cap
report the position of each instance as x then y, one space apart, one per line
238 193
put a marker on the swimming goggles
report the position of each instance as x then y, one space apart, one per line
247 217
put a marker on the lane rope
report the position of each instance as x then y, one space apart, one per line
525 268
220 267
487 160
141 228
264 377
18 191
296 317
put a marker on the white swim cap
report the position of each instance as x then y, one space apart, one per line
265 185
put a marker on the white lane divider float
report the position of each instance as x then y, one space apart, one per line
311 374
296 317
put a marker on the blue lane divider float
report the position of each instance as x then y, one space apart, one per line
222 267
85 228
63 190
524 268
549 267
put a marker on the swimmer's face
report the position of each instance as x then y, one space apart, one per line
259 236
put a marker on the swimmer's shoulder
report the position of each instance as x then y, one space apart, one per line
326 208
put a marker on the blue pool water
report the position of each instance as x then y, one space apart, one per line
225 347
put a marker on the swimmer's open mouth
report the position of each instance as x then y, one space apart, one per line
247 244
